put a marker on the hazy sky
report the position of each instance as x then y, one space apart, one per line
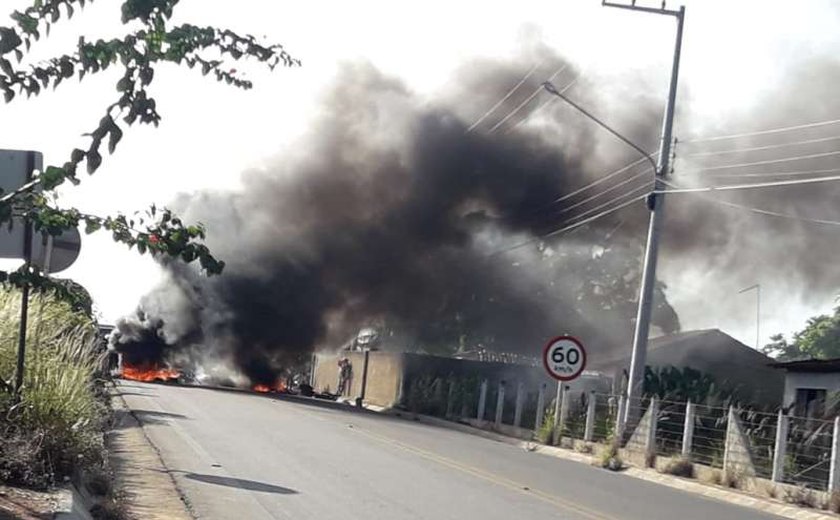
210 132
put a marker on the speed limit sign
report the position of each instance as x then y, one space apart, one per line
564 358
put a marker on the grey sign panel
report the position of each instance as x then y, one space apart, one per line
16 168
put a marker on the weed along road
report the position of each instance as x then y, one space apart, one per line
239 455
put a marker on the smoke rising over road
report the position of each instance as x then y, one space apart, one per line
389 212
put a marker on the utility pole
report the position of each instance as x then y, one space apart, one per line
656 204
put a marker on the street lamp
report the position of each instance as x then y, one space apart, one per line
757 288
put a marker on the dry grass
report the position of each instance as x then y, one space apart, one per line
681 467
801 496
833 503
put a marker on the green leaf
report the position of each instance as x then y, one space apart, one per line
18 55
9 95
93 161
141 247
52 177
77 155
146 75
114 138
124 84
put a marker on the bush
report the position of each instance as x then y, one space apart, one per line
833 504
545 434
681 467
800 496
609 458
57 426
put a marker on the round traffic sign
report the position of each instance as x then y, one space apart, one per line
564 358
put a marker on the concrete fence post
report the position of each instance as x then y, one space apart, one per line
557 400
520 402
650 438
564 409
589 430
450 399
482 400
619 418
780 447
834 472
727 445
688 430
540 408
500 403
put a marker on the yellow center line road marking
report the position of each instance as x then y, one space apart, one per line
490 477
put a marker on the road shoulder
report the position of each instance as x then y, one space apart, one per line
147 488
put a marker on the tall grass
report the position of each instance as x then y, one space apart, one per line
57 425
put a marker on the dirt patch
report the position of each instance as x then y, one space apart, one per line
25 504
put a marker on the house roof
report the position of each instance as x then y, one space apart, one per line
810 365
729 361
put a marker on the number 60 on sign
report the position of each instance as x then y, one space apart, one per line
564 358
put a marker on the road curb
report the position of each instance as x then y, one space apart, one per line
690 486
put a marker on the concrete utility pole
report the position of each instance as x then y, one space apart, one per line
656 203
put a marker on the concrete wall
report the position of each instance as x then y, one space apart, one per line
830 382
384 378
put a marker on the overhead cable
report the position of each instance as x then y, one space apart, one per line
506 96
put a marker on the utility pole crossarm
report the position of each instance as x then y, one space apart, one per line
634 7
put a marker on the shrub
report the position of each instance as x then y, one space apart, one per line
545 434
833 504
800 496
56 428
609 458
681 467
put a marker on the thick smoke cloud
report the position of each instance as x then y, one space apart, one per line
389 213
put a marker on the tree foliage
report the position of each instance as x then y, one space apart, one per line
150 39
820 339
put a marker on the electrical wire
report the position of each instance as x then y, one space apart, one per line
600 193
539 108
527 100
752 186
569 227
775 174
771 161
510 93
760 132
759 211
767 147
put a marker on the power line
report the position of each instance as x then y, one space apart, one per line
601 180
527 100
760 211
566 228
596 208
760 132
510 93
774 174
600 193
751 186
767 147
759 163
544 105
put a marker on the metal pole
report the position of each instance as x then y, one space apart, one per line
557 404
834 471
24 302
482 400
500 403
656 203
361 399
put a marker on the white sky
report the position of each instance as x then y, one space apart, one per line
211 132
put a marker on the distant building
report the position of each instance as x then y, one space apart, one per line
808 383
734 366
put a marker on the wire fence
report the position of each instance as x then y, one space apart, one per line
743 441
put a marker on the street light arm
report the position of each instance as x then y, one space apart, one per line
551 89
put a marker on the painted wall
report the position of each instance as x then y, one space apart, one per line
830 382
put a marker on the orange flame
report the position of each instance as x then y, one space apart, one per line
149 373
279 386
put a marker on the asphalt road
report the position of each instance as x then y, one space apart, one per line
248 456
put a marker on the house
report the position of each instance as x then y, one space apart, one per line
734 366
808 383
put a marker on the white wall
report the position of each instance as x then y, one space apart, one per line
830 382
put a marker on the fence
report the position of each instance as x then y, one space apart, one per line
744 442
